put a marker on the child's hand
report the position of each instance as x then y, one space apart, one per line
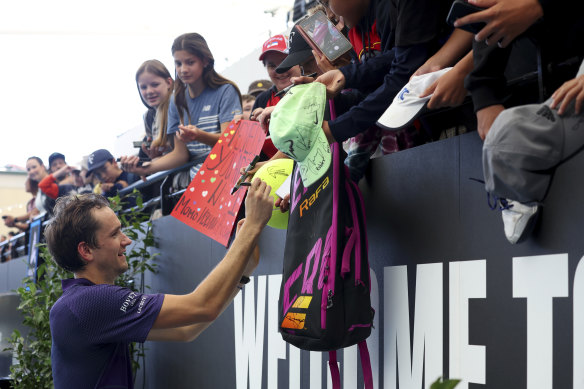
188 133
106 187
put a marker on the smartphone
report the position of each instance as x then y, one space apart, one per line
138 143
140 162
461 8
319 32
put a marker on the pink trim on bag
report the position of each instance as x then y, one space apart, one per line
362 204
359 326
314 254
346 264
326 256
287 303
356 232
334 368
366 364
329 290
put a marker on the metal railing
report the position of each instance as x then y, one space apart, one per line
156 190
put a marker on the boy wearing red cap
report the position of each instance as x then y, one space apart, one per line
274 51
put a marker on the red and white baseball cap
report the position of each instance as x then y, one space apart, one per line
278 43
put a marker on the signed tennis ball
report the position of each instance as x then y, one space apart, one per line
274 173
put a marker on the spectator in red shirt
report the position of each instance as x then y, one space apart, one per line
274 51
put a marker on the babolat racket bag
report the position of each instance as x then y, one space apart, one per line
325 293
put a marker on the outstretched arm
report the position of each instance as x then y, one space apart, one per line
191 332
177 157
197 309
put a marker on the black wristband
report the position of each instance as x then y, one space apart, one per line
244 280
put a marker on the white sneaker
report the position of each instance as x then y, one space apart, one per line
518 220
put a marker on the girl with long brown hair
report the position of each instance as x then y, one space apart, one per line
203 105
155 85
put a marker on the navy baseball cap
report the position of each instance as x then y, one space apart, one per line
55 156
97 159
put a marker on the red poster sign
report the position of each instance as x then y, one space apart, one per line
207 205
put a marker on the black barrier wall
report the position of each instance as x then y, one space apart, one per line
452 296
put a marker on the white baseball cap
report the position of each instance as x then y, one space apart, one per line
407 105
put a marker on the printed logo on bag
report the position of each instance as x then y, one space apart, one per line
309 272
296 320
307 203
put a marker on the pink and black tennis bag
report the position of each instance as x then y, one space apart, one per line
325 294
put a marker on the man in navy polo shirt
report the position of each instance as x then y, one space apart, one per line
94 321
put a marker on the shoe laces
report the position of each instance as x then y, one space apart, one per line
498 202
495 202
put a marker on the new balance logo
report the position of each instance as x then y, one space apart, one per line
206 108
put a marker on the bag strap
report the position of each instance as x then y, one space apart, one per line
366 364
334 368
332 110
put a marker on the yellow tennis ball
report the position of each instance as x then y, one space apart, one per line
274 173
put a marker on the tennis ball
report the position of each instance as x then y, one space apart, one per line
274 173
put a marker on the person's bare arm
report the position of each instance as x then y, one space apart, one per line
19 222
209 299
191 133
449 90
459 43
191 332
486 117
177 157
